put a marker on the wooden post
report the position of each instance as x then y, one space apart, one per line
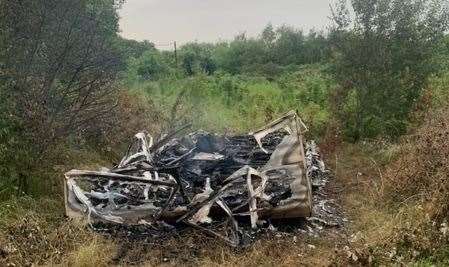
176 54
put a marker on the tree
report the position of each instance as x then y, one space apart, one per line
268 35
149 66
58 66
289 48
316 48
241 55
133 49
197 58
272 52
383 55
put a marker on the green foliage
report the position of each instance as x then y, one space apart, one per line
149 66
276 51
309 90
383 59
225 102
240 54
10 154
133 48
439 89
273 53
58 62
197 58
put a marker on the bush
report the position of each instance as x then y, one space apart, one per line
422 167
149 66
384 53
402 210
15 152
59 64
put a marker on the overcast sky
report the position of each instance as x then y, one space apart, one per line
164 21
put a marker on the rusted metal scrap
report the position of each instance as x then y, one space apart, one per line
210 182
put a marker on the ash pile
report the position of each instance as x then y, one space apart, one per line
226 186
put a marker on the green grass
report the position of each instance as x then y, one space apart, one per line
225 103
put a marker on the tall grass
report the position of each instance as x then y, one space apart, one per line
226 103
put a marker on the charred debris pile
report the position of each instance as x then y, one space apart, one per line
226 186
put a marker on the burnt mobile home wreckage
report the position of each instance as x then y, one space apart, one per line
206 181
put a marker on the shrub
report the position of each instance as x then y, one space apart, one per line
59 64
384 53
421 170
149 66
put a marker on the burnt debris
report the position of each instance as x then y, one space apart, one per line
226 186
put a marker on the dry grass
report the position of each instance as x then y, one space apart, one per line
96 252
194 249
31 238
397 196
35 232
421 171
